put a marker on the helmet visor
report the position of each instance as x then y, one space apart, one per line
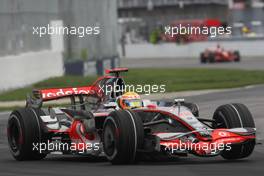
133 103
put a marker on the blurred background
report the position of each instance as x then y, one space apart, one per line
142 22
131 34
139 18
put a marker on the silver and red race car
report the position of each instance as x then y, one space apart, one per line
93 125
219 54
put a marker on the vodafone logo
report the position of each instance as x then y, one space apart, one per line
223 134
54 93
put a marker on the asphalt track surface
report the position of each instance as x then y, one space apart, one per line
255 63
74 165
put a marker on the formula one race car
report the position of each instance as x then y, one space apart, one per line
124 128
219 54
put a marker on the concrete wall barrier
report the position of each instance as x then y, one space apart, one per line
27 68
247 48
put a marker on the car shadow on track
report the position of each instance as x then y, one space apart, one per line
88 159
194 162
102 161
156 162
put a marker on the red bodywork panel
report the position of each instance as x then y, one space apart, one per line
219 137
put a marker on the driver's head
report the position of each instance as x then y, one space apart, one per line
129 100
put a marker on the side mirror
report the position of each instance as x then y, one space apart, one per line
34 100
178 103
110 105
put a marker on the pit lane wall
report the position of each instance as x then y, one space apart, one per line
247 48
27 68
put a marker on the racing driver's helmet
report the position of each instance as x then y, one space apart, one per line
129 100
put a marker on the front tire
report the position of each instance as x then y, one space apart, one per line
235 116
24 130
123 135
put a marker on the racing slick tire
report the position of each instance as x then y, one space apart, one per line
202 58
23 130
237 55
123 135
211 58
235 116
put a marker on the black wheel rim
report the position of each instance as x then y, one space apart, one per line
109 138
220 122
14 135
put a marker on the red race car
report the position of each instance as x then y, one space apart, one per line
219 54
95 125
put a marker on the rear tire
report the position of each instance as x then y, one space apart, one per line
211 58
24 129
235 116
202 58
123 135
237 55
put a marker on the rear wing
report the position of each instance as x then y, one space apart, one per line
116 71
42 95
37 97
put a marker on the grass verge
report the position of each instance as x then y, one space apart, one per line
174 79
